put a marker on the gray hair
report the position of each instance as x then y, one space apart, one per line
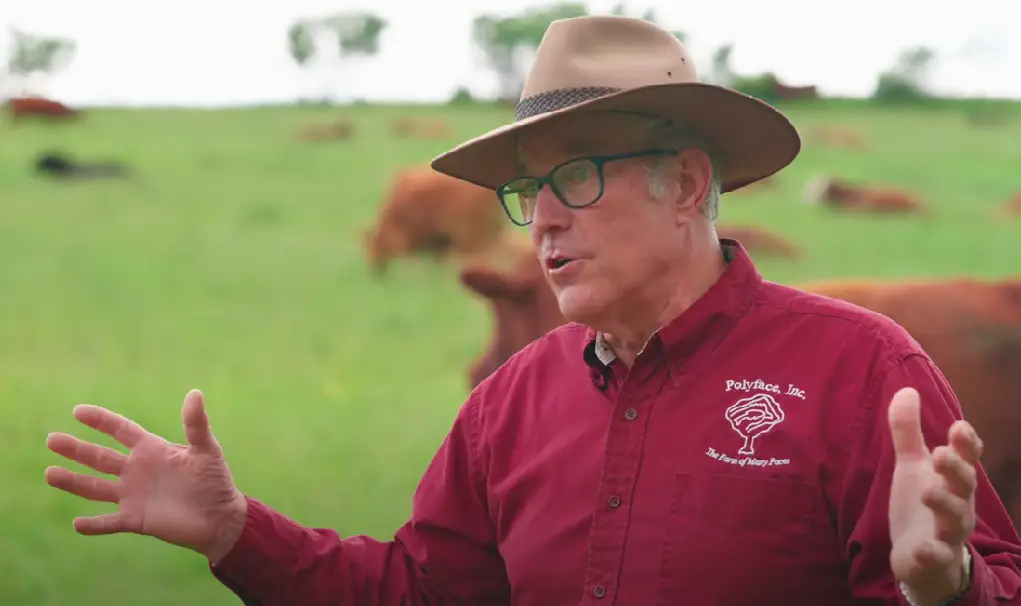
669 135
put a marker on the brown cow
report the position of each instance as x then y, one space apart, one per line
421 128
842 137
1011 208
431 213
332 131
522 304
760 241
970 328
22 107
844 195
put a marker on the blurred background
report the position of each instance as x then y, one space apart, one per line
215 195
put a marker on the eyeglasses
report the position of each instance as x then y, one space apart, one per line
577 183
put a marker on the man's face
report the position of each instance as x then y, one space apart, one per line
621 250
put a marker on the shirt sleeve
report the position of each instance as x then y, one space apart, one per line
863 502
445 554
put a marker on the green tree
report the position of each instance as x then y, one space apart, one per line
32 56
507 43
331 40
908 79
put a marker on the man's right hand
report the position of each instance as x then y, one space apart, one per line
181 494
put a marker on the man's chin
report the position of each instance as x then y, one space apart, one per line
578 303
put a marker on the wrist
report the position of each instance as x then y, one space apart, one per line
229 530
958 583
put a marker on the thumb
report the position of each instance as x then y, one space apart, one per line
196 422
906 425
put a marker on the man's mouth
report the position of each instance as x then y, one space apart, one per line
557 262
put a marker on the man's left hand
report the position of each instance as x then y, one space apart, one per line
932 502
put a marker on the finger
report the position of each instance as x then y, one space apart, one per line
120 428
906 425
100 458
82 485
108 523
953 515
196 422
958 475
935 554
965 441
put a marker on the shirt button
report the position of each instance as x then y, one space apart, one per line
599 591
631 414
613 502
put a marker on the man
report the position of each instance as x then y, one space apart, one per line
696 435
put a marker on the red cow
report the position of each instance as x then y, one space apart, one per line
431 213
844 195
22 107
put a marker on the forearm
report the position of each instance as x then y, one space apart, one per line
277 561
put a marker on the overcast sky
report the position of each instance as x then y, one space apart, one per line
227 52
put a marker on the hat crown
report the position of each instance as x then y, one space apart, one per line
607 52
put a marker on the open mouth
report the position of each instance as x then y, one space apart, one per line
557 262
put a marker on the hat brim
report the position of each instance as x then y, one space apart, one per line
753 139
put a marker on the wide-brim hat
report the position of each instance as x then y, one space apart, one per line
601 63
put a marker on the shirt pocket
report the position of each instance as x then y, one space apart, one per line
744 539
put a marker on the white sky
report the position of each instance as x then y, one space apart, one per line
227 52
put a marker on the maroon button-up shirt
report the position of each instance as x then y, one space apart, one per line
744 459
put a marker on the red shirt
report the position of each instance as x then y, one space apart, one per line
744 459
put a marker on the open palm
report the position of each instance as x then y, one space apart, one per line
932 497
181 494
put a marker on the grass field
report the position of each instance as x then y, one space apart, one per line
234 266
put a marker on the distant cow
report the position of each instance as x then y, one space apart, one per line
760 241
422 128
22 107
842 137
332 131
58 165
788 92
844 195
970 328
431 213
1011 208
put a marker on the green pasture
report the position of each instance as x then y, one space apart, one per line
233 264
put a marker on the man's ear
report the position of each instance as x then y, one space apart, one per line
694 176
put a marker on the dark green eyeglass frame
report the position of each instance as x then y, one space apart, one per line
547 179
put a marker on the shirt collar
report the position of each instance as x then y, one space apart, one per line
701 328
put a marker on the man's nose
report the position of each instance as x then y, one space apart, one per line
550 214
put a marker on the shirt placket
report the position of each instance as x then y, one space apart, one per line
624 444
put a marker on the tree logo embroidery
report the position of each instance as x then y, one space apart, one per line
753 416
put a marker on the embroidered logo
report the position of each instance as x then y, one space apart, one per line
752 417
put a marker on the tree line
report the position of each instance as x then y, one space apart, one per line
506 44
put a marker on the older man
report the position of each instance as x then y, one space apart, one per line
696 435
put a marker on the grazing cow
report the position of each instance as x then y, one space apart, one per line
844 195
23 107
431 213
842 137
58 165
522 304
1011 208
970 328
760 241
421 128
334 131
